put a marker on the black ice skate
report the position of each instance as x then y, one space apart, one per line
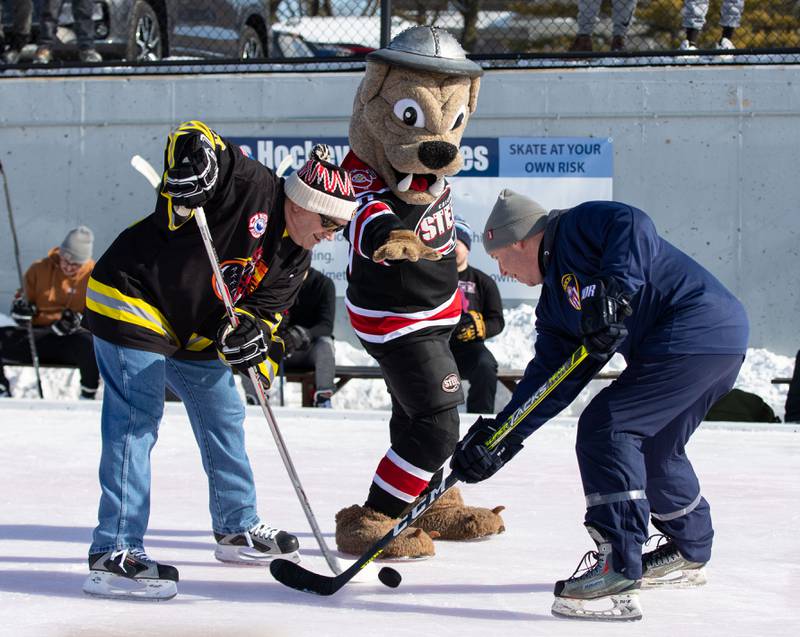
130 574
665 567
258 546
587 596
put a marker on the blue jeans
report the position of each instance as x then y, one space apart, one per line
133 403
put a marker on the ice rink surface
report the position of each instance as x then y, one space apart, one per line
48 469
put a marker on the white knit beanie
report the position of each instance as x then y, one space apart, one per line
322 187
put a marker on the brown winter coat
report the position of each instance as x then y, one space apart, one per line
52 291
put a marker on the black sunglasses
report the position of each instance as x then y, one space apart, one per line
329 223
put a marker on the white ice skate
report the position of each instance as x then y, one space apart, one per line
130 574
256 547
599 593
665 567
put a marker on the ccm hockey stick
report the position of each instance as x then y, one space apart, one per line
330 558
29 327
295 576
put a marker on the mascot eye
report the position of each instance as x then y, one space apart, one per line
459 118
410 113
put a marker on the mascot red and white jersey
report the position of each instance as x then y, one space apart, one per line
390 299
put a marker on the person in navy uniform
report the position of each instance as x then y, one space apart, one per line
481 318
611 283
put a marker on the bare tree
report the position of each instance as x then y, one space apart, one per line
469 10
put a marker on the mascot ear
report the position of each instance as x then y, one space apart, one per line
373 80
474 87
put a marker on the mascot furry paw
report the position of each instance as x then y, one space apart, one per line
409 115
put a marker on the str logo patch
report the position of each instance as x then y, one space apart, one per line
258 224
451 383
570 285
362 179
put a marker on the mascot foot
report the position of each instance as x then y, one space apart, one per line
358 528
452 520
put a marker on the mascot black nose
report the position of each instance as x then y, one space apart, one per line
435 155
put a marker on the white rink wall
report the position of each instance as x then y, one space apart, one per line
708 152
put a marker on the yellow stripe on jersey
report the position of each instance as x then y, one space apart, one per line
112 303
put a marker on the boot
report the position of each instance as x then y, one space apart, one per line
453 521
358 528
582 43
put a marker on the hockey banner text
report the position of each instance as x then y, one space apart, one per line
558 172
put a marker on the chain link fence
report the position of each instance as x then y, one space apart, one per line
226 35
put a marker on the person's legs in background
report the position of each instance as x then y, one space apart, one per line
793 397
477 365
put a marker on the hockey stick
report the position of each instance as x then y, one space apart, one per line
330 558
285 164
31 339
146 170
295 576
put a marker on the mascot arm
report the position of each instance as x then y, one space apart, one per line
371 227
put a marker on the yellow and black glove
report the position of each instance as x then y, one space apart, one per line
250 345
471 327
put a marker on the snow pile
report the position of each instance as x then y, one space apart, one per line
513 348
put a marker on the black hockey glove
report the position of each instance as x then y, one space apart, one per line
603 310
22 310
471 327
69 323
192 179
295 338
473 462
249 345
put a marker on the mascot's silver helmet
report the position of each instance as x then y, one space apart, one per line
426 48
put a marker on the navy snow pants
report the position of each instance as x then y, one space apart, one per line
632 458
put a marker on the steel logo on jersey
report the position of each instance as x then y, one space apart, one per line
571 287
258 224
436 227
451 383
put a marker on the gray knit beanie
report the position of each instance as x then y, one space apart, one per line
77 245
513 218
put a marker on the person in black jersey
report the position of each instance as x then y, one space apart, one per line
481 318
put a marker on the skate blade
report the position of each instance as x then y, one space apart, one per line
625 608
111 586
681 579
246 556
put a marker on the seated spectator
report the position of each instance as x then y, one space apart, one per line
793 397
84 31
307 332
694 18
11 43
54 300
621 16
481 318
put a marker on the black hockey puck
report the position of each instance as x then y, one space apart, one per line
390 577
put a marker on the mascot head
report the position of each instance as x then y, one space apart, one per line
411 109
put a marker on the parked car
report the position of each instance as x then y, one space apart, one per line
150 30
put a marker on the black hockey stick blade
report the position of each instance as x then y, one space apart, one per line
296 577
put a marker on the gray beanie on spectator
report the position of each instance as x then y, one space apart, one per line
513 218
77 245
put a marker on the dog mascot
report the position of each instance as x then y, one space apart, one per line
409 115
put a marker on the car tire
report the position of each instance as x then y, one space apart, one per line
251 45
144 36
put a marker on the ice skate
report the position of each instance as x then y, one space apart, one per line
358 528
598 593
452 520
130 574
665 567
256 547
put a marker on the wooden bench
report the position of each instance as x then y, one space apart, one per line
345 373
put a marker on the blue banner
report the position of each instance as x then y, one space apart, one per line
556 157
